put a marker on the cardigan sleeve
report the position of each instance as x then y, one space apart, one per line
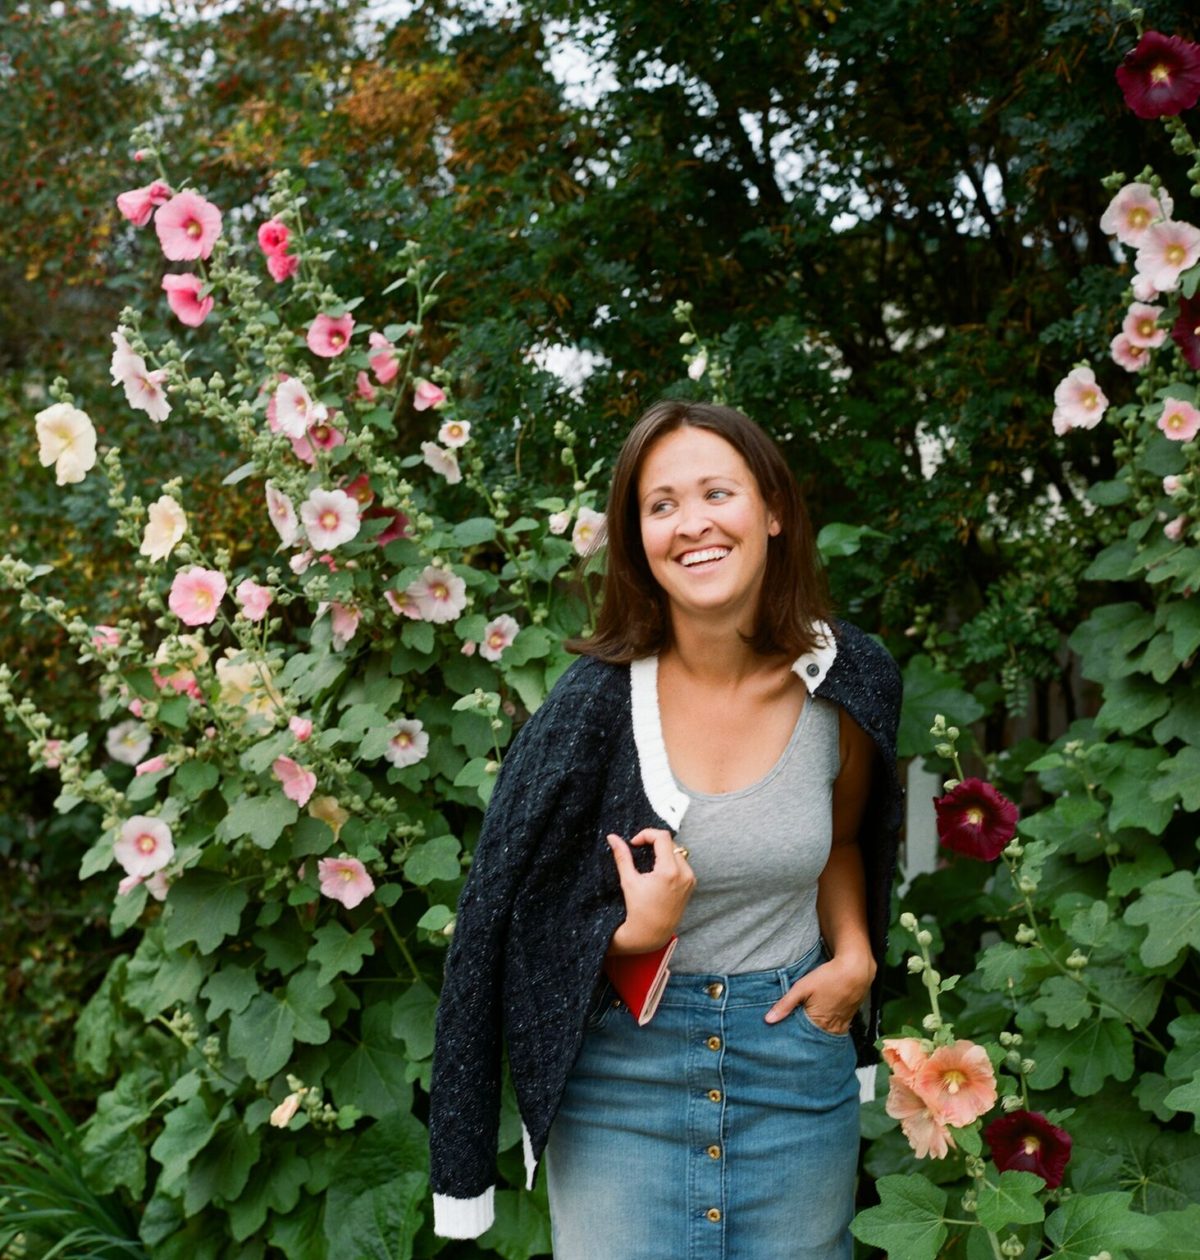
545 781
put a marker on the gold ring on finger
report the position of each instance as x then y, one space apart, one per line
682 851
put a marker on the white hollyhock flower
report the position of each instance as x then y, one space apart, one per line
66 439
330 518
295 410
128 742
283 515
165 526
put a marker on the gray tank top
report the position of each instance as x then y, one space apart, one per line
758 853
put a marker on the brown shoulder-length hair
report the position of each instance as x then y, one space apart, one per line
634 621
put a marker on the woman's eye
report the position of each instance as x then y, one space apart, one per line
724 494
657 508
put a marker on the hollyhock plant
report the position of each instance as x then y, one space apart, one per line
298 784
152 765
187 227
1185 332
498 634
66 439
426 395
183 297
455 433
329 336
301 728
293 409
1079 403
403 604
1133 210
273 237
926 1131
1161 76
442 461
282 266
409 743
166 525
384 363
281 1117
322 436
1180 421
1027 1142
144 389
128 742
144 845
196 595
254 599
440 595
588 534
1174 529
1141 326
137 205
957 1082
558 522
1127 354
1166 251
283 515
975 820
330 518
363 388
345 879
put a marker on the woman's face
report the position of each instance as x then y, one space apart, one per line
704 526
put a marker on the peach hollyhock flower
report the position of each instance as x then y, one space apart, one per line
1174 529
294 409
301 728
273 237
247 686
298 784
926 1131
66 439
281 1117
976 820
588 534
105 637
345 879
409 743
183 297
127 742
137 205
283 515
442 461
1028 1142
403 604
498 634
152 765
1128 354
957 1083
144 845
254 599
1141 326
426 394
1171 484
330 518
1079 403
455 433
165 526
384 363
282 266
1161 76
187 226
1167 250
558 522
1179 421
905 1056
328 336
440 594
327 810
196 595
363 387
1132 211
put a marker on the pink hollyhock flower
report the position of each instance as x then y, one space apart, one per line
322 436
344 622
1142 289
66 439
469 647
294 409
298 784
498 634
166 525
328 337
919 1122
558 522
363 387
1133 210
157 885
588 534
1166 252
1079 403
1161 76
455 433
698 366
330 518
52 753
144 845
143 389
283 515
345 879
151 765
196 595
301 728
1174 529
1027 1142
1141 326
957 1083
254 599
1171 484
1185 332
281 1117
187 226
396 528
127 742
138 204
409 743
282 266
403 604
426 394
360 491
106 637
440 594
1179 421
976 820
1128 354
441 461
273 237
183 297
300 561
384 363
135 705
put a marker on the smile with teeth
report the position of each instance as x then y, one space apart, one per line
702 557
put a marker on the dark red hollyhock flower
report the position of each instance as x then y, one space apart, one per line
1160 76
397 529
1186 331
1028 1142
976 820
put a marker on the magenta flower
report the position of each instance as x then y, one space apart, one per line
328 337
183 297
138 204
976 820
1133 210
1186 331
384 363
254 599
330 518
144 845
345 879
1079 403
1180 421
1027 1142
426 394
498 634
1126 354
301 728
196 595
1141 326
1161 76
397 526
1166 252
363 388
187 227
282 266
298 784
439 594
273 237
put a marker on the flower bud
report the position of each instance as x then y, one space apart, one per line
1014 849
1012 1246
931 1023
1025 934
1027 1066
1005 1038
908 921
952 732
1076 960
1011 1102
1013 1060
944 750
950 785
925 937
970 1200
1027 885
916 964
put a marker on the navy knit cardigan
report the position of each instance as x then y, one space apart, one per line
542 898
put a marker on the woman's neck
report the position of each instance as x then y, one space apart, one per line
712 653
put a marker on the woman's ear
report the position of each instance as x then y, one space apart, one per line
773 527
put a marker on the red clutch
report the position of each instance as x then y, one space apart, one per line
640 979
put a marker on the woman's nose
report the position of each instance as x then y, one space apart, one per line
693 520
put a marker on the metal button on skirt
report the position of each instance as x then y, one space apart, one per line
708 1134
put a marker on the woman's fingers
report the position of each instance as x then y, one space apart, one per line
795 996
652 835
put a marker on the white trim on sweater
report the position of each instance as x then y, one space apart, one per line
464 1218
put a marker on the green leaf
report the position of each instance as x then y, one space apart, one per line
97 1025
1011 1201
1064 1002
1147 864
158 978
1182 620
1170 910
1131 704
1186 1098
928 692
1183 718
263 1034
194 778
838 539
534 643
1114 564
113 1150
229 990
417 635
308 674
435 859
1108 493
435 918
275 1187
1087 1224
338 952
908 1223
374 1076
478 529
1180 1232
1005 966
413 1018
186 1132
222 1168
1179 777
262 818
521 1228
204 907
1130 782
1093 1052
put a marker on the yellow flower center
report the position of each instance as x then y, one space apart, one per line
1175 420
346 874
146 843
336 339
1031 1144
329 519
1089 399
1146 327
495 640
440 591
953 1081
1175 254
403 740
203 598
194 229
1160 73
321 433
974 816
1139 218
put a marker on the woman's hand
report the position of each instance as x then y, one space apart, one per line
830 993
654 901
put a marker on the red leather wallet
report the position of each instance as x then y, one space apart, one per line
640 979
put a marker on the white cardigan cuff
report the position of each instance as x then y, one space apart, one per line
464 1218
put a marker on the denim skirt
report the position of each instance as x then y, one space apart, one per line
707 1134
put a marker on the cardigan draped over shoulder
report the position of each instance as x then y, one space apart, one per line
542 898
